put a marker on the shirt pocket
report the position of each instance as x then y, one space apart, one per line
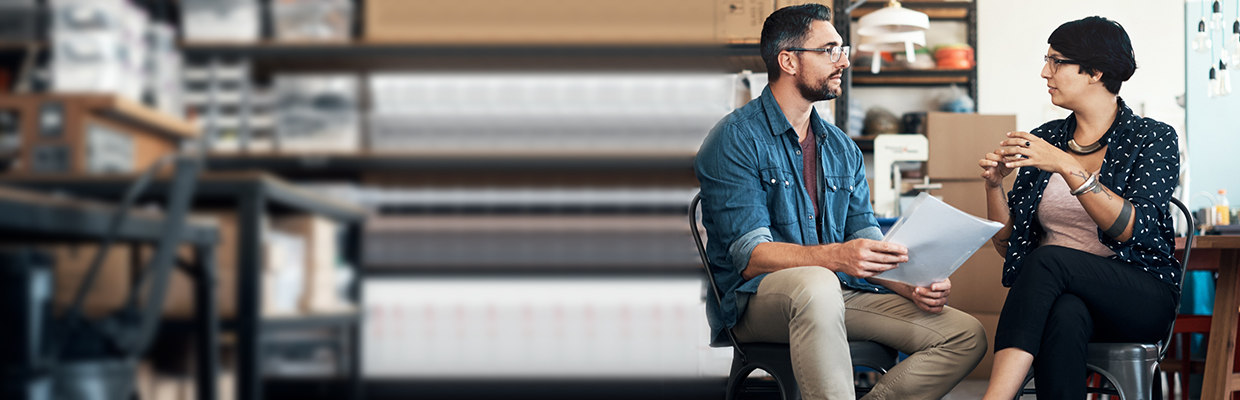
781 195
837 195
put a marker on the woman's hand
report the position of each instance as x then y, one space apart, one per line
1023 149
993 169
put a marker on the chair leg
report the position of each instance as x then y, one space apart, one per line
787 381
737 379
1093 380
1186 366
1133 381
739 373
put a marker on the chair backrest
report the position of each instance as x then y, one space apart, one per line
131 330
1188 247
710 276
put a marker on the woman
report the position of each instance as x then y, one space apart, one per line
1087 231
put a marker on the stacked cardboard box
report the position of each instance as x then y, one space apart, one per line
88 133
297 278
957 143
571 22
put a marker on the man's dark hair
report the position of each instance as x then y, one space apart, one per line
787 27
1099 44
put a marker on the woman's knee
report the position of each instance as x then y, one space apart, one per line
1069 316
1049 257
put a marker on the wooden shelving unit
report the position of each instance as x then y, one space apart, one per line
366 56
937 10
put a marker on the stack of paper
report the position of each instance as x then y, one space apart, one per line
939 239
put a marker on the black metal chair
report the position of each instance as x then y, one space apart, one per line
97 359
1129 369
776 358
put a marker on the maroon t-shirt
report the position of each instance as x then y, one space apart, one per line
809 154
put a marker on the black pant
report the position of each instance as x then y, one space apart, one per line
1065 298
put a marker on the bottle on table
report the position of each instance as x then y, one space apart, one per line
1222 208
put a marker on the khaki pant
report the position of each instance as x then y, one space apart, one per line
807 308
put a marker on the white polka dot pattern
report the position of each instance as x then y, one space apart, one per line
1142 164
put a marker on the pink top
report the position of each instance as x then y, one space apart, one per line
1065 221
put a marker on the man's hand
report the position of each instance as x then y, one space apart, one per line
929 299
933 298
864 258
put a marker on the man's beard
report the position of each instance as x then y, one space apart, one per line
821 92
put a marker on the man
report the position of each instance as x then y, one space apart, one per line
792 236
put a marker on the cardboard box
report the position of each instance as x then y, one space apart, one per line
151 384
114 281
322 251
958 141
990 321
284 272
180 301
91 133
111 286
977 286
292 283
566 22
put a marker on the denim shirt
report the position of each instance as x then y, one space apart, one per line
750 171
1142 165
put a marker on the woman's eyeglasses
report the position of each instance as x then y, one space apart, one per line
1055 62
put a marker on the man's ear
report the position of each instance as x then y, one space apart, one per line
788 64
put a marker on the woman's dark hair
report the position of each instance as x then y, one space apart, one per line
1100 45
787 27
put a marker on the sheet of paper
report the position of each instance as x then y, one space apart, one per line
939 239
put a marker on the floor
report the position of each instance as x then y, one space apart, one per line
973 389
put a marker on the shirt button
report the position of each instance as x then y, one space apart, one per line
772 180
798 152
850 188
786 183
811 216
833 187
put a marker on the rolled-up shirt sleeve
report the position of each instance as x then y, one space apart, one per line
742 248
733 201
860 213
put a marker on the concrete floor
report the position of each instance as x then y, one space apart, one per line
973 389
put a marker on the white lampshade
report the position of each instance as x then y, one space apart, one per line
902 41
892 19
891 41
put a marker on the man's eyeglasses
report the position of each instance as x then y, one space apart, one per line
1054 62
836 52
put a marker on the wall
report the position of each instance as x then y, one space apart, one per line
1214 124
1012 40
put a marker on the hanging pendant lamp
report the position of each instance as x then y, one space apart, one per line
1212 86
893 18
892 28
1224 79
1201 42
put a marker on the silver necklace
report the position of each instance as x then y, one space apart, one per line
1083 150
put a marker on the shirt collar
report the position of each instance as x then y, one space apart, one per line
779 122
1123 123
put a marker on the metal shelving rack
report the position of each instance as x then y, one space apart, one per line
359 56
254 195
937 10
27 217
